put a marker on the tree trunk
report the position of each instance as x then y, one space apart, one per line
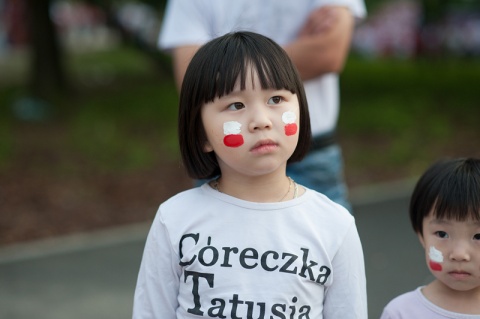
47 77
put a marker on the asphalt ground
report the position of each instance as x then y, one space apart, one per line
93 275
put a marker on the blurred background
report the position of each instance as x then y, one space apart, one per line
88 136
88 106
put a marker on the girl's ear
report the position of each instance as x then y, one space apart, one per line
207 147
420 238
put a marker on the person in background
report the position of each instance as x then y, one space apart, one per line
445 214
315 34
251 243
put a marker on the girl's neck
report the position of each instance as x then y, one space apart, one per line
465 302
255 189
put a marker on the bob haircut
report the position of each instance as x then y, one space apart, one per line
213 72
450 189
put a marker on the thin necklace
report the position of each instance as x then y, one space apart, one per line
288 190
215 186
295 188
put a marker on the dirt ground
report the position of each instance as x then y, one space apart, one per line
40 198
35 206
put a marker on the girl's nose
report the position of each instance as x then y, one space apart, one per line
260 120
459 252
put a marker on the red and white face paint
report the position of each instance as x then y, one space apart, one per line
436 258
289 119
232 131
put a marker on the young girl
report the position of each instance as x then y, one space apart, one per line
251 243
445 214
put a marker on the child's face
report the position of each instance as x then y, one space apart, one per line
254 131
452 250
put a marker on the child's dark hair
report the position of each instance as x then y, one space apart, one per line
450 189
213 72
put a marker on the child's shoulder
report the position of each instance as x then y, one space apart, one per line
414 304
407 305
327 205
405 299
181 205
184 198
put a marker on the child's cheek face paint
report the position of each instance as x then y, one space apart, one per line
232 131
291 127
436 258
435 266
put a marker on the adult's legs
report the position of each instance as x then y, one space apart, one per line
322 170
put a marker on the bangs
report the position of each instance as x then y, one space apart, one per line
236 59
449 189
458 196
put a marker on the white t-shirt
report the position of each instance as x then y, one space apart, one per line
188 22
414 304
210 255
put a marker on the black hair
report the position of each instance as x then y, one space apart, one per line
213 72
449 189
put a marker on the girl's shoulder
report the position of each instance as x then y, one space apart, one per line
325 204
185 198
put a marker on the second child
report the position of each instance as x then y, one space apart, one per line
445 214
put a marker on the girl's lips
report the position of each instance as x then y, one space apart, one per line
264 146
458 274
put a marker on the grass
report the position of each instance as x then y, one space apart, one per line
121 117
396 115
413 112
127 124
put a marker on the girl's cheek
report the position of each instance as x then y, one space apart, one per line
289 119
291 129
233 140
232 131
436 258
435 266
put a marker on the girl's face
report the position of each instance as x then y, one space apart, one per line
254 131
452 250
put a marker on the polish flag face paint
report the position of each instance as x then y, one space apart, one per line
435 266
232 131
290 126
436 258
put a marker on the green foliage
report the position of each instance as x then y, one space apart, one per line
393 96
131 121
126 127
104 68
123 116
410 110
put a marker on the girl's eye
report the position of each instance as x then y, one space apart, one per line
476 236
441 234
275 100
236 106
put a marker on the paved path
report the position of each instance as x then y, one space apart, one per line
93 275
